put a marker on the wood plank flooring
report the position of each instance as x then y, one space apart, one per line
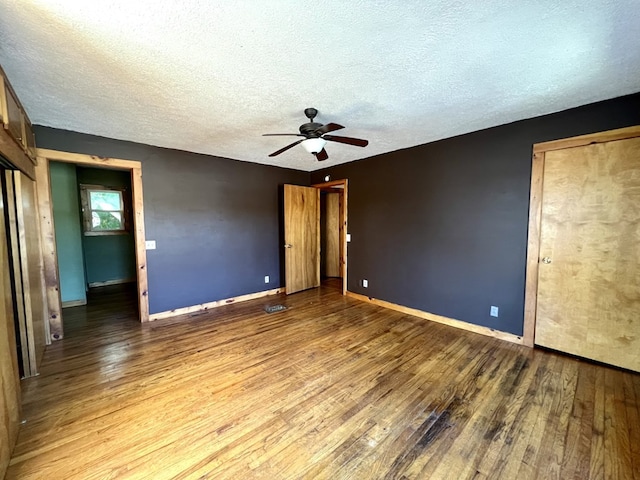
331 388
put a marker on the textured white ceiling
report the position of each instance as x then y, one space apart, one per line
212 76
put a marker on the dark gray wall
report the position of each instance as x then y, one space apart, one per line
215 220
109 257
442 227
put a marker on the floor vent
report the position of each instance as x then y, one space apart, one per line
274 308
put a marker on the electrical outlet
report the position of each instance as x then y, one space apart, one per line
365 283
150 244
266 279
494 311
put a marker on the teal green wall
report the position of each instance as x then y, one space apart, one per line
66 217
108 257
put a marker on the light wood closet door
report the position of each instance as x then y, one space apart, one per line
588 300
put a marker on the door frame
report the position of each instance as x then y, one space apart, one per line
339 186
535 214
47 228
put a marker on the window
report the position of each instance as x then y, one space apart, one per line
103 210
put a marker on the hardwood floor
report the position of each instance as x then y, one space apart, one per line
331 388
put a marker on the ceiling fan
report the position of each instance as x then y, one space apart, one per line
315 136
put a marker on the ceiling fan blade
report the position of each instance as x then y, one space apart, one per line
286 148
329 127
358 142
282 135
322 155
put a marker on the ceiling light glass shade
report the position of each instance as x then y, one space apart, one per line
314 145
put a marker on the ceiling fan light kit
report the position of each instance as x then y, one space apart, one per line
315 137
314 145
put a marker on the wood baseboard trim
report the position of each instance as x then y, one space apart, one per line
73 303
470 327
111 282
208 306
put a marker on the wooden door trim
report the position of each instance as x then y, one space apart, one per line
582 140
535 214
52 278
16 261
330 187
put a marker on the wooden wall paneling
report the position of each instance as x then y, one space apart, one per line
51 275
533 249
14 114
10 150
13 241
331 219
28 138
9 376
48 229
32 268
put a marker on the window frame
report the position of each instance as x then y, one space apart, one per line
87 211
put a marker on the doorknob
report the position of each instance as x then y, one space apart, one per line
287 245
546 260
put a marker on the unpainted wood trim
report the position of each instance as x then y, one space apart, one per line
328 186
345 212
318 230
14 153
10 395
208 306
106 283
141 249
74 303
90 160
582 140
17 270
135 168
49 254
26 280
451 322
4 114
533 249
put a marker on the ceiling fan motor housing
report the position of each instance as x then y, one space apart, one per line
309 129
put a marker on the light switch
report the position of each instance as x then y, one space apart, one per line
348 237
150 244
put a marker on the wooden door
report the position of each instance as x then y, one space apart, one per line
302 237
588 301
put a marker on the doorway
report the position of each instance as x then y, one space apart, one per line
331 222
133 170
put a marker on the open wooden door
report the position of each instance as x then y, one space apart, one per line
302 237
589 252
